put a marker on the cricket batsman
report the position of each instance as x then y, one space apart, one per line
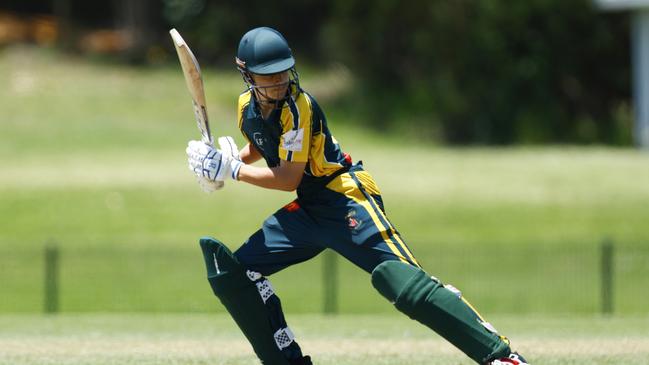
338 206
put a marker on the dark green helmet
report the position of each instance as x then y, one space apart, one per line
264 51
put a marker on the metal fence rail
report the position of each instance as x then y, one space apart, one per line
606 278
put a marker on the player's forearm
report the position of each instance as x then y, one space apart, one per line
271 178
249 154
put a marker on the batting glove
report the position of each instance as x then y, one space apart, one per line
210 163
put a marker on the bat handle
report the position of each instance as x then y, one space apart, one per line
208 140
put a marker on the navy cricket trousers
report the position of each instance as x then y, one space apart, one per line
347 216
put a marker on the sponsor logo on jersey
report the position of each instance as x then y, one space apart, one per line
292 140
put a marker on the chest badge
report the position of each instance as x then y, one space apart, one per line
259 140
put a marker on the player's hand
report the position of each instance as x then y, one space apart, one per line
196 152
228 147
210 163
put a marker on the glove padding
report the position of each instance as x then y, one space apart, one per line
229 147
196 152
213 166
230 154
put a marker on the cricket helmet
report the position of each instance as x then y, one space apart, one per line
264 51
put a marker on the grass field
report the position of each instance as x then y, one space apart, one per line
341 340
92 157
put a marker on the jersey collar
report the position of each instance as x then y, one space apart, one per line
274 115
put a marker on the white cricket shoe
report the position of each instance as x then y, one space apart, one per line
513 359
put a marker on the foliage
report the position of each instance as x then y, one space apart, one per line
489 71
215 27
494 72
461 72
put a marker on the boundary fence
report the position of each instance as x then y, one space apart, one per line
607 278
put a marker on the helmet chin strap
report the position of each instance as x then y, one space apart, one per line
277 103
293 87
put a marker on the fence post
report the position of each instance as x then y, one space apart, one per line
51 297
607 276
330 282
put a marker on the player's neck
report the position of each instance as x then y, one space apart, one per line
266 109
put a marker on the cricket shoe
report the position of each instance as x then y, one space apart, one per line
513 359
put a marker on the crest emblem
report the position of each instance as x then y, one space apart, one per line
352 222
259 140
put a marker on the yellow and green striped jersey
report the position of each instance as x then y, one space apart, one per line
296 132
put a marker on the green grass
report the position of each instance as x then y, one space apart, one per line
92 157
214 339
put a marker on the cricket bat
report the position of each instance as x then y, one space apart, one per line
194 80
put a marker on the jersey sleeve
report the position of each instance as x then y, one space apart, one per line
295 141
244 101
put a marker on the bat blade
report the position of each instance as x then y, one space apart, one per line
194 81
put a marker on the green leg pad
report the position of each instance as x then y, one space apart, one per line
427 301
242 299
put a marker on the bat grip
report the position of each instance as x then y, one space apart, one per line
208 140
